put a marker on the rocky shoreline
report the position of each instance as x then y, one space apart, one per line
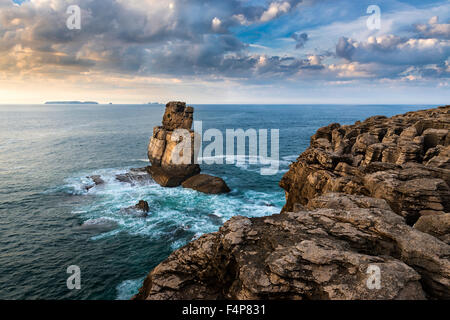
372 194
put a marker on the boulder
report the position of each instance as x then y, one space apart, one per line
206 184
174 177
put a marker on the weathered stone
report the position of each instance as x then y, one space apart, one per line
97 180
136 176
141 209
350 205
436 225
324 253
206 184
170 169
173 177
409 168
178 116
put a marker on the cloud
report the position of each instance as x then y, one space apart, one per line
434 29
216 24
300 39
275 9
204 39
394 50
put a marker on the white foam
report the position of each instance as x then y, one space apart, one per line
176 214
128 288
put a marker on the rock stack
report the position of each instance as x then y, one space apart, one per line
164 155
352 198
161 147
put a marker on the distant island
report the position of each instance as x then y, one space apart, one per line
155 103
71 102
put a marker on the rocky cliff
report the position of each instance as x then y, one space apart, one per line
365 197
404 160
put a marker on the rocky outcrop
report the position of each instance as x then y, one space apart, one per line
324 253
206 184
97 181
141 209
351 201
166 168
136 176
170 167
404 160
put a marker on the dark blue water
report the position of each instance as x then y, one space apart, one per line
48 221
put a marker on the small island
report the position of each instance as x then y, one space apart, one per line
71 102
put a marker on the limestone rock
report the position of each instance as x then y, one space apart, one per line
351 200
178 116
170 169
404 160
174 176
437 225
324 253
206 184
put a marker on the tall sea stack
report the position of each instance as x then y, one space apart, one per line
161 148
164 153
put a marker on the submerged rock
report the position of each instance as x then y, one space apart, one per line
143 206
97 180
141 209
136 176
206 184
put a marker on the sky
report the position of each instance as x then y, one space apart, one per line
226 51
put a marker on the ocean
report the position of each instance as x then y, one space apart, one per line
48 221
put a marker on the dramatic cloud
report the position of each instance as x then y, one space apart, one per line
247 42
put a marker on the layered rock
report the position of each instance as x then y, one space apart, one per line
351 200
404 160
170 167
324 253
166 168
